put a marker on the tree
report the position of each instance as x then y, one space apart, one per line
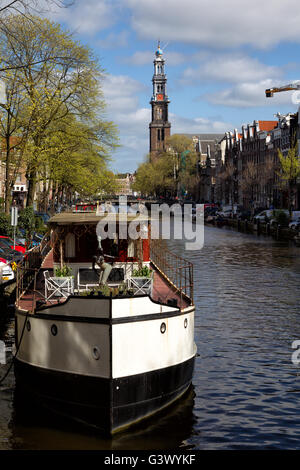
11 133
74 157
227 178
172 171
249 182
25 8
63 81
145 179
289 172
267 178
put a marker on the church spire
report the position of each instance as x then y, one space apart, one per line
159 126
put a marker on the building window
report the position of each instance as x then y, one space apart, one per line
162 134
158 134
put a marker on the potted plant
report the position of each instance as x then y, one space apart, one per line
64 278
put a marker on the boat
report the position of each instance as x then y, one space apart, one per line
110 344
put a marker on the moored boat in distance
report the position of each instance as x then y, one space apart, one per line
104 327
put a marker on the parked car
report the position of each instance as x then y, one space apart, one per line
9 242
295 223
6 271
10 255
36 239
225 213
264 216
268 215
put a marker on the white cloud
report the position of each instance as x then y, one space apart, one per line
121 93
197 125
245 95
234 68
88 16
123 107
146 57
216 22
113 40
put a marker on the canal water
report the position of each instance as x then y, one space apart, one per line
246 389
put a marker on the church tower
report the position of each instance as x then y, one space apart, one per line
159 127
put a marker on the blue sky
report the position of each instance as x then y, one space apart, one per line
220 57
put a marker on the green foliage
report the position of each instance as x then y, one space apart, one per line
281 218
290 165
65 271
55 108
5 227
26 221
170 170
144 271
106 291
289 172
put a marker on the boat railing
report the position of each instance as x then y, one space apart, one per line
27 271
176 270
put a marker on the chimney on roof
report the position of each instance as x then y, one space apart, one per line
256 124
227 139
199 145
208 151
244 131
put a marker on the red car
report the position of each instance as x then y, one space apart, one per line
9 242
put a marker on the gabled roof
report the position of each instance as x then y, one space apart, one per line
267 125
206 139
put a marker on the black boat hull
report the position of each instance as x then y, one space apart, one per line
110 405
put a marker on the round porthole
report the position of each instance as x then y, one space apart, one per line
163 328
185 323
96 353
54 330
28 325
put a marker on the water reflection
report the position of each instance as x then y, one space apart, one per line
34 428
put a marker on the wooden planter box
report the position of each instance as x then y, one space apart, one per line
140 285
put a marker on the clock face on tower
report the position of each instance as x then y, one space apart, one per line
160 97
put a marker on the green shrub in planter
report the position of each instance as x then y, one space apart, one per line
65 271
142 272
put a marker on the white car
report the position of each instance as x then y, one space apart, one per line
269 214
295 223
263 215
6 271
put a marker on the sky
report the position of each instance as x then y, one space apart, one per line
220 57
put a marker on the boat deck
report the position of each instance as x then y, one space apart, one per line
162 290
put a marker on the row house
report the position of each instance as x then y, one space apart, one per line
125 182
247 163
205 146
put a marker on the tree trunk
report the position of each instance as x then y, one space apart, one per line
53 197
7 200
31 188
